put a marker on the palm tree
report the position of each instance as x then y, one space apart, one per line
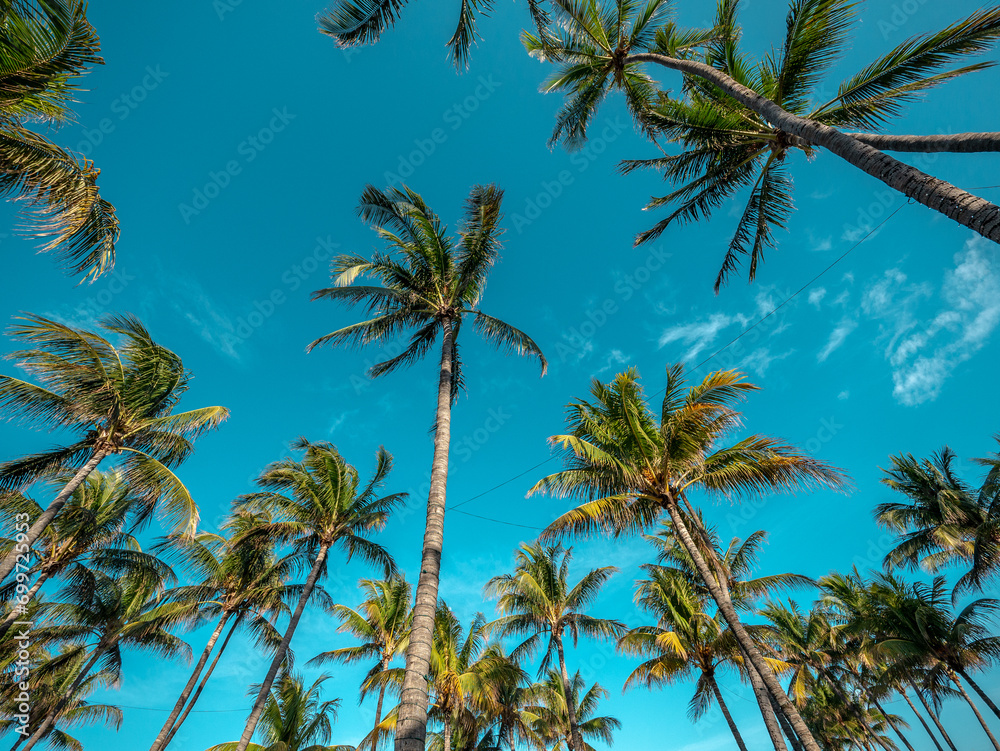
241 585
551 713
383 626
121 400
537 601
631 466
430 283
738 118
684 640
47 45
295 718
326 506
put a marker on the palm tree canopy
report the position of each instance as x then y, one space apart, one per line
550 718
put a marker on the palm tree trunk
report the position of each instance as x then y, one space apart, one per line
574 729
378 705
161 739
279 655
955 143
764 704
982 694
742 637
411 727
975 709
54 508
922 721
936 719
201 686
893 725
447 734
725 713
10 619
968 210
783 722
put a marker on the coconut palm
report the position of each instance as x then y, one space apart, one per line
382 624
295 718
631 465
537 602
551 713
326 506
737 118
430 283
118 400
47 46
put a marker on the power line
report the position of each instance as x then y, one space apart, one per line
712 356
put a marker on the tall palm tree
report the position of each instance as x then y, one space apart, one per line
46 47
431 283
326 506
295 718
241 585
551 713
382 624
538 602
120 402
685 640
631 465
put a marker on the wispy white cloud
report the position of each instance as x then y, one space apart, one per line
210 319
760 360
700 335
844 395
615 358
816 297
837 337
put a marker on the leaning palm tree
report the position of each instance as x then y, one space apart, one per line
46 46
295 718
551 713
326 506
631 465
383 626
430 283
738 119
538 602
119 400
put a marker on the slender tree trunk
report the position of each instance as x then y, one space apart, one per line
725 713
279 655
975 709
447 734
893 725
574 729
936 720
373 736
746 643
10 619
54 508
764 703
161 739
922 721
411 727
982 694
956 143
201 686
968 210
783 722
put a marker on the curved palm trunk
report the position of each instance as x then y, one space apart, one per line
955 143
968 210
279 655
922 721
411 727
892 724
982 694
574 729
785 727
161 739
201 686
936 720
746 643
54 508
725 713
10 619
764 704
975 709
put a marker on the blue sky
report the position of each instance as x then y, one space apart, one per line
235 141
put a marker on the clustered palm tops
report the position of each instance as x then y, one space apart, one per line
635 464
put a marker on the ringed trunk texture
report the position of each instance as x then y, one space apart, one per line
447 735
411 727
764 704
783 721
936 720
785 706
725 713
201 686
975 709
922 721
892 724
982 694
161 739
10 619
955 143
46 517
968 210
279 655
574 729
